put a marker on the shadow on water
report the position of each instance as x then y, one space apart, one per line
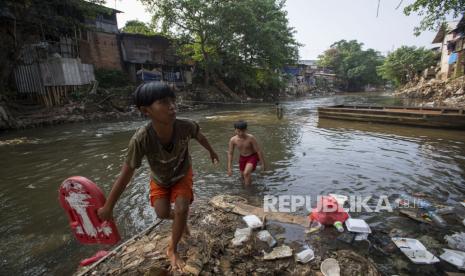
306 156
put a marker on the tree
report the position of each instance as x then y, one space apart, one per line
137 27
434 12
405 63
353 66
244 42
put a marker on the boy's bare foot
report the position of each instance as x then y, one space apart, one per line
176 262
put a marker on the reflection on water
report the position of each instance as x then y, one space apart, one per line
306 156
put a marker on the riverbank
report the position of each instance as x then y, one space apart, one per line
116 104
450 93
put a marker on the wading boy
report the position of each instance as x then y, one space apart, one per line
250 152
164 141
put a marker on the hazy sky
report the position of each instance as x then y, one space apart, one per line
319 23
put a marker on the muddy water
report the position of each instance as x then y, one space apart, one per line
306 156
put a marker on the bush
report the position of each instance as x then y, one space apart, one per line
109 78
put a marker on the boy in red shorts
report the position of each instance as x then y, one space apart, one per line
164 141
250 152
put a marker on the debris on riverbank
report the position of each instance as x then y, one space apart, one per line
209 251
436 92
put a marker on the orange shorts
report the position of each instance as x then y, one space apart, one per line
182 188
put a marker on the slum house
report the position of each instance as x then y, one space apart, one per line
457 48
308 73
447 37
153 58
99 42
48 67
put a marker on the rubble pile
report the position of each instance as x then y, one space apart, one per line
209 250
436 92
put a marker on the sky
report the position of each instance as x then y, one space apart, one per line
320 23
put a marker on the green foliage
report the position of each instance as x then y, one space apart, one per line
434 12
353 66
238 41
137 27
108 78
405 63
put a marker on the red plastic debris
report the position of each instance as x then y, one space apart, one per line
328 211
100 254
81 198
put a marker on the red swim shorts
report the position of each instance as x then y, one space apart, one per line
182 188
252 159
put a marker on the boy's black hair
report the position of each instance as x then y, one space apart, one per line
149 92
240 125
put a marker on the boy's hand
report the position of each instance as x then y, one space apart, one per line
105 213
214 157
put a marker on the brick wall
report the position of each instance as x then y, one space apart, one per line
101 50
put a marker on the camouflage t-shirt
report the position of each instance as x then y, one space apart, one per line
167 164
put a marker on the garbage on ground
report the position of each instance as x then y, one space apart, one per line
445 210
241 236
314 227
265 236
456 241
253 221
338 226
415 251
341 199
454 257
415 216
280 252
357 226
100 254
438 220
347 237
330 267
361 237
305 256
407 201
328 211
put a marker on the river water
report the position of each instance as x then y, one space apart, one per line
306 156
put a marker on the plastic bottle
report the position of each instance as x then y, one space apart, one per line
437 219
445 210
339 226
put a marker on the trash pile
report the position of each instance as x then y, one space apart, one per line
225 241
436 92
230 237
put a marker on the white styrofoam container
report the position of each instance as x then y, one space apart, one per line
415 251
454 257
357 226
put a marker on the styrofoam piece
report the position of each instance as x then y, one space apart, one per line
415 251
252 221
330 267
463 204
361 236
265 236
456 241
241 236
357 226
454 257
280 252
305 256
341 199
